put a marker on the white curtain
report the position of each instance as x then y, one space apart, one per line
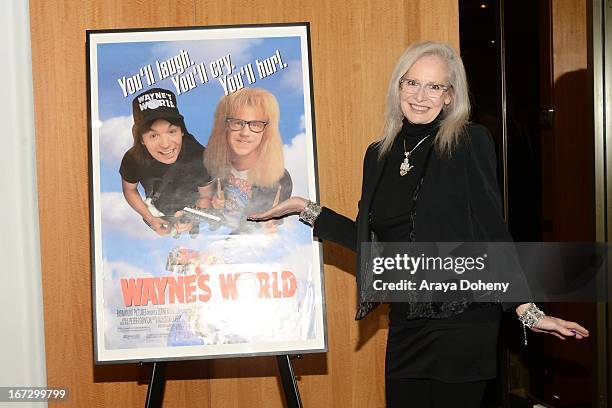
22 353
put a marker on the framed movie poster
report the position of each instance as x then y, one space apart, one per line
192 130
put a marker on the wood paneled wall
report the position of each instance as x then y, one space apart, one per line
355 44
568 187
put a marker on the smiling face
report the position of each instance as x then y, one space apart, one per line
244 143
163 141
419 108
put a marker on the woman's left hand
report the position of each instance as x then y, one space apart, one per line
555 326
560 328
292 205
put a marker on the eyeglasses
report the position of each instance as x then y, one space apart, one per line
256 126
412 86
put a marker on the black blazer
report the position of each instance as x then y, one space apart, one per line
459 202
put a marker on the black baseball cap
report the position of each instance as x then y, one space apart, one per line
156 103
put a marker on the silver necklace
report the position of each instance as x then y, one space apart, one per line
405 167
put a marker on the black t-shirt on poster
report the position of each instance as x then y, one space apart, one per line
171 187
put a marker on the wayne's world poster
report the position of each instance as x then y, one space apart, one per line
192 130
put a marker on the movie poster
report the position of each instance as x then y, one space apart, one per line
192 130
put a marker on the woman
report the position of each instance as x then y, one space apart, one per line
431 178
166 160
245 156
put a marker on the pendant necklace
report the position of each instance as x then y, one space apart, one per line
405 167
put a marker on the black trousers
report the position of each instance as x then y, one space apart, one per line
425 393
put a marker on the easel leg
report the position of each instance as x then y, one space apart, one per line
287 376
155 392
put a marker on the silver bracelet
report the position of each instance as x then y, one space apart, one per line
310 212
530 317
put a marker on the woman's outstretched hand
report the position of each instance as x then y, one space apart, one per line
293 205
560 328
557 327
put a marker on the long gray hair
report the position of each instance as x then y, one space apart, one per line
454 116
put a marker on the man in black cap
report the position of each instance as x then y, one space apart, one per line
166 160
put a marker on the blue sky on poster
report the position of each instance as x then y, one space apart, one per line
125 236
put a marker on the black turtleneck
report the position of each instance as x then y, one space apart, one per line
392 201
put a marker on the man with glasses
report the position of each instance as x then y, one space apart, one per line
245 156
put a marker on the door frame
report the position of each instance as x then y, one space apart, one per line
601 23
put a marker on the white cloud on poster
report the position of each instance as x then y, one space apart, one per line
309 282
296 164
296 260
292 77
115 139
119 217
122 269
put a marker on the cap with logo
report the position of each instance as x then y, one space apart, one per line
153 104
